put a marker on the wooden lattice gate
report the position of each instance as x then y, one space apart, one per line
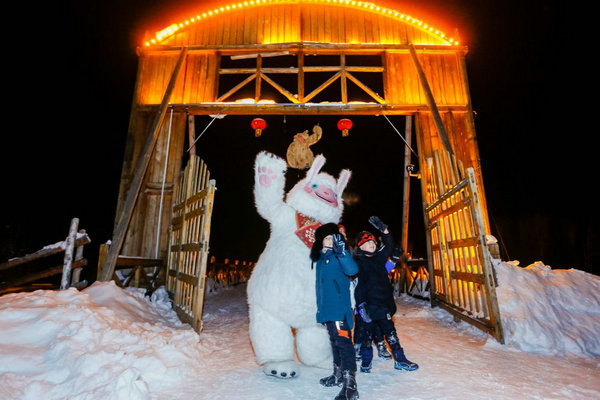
188 241
461 273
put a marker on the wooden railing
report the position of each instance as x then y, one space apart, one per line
133 271
73 262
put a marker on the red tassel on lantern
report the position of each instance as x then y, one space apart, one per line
258 124
344 125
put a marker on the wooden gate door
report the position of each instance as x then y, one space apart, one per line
188 241
461 273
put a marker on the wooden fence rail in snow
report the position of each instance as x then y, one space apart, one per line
133 271
73 262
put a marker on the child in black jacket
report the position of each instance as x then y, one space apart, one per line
374 295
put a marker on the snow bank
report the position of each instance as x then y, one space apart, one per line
102 343
549 311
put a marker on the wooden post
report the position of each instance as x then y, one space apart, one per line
78 256
489 280
343 82
406 191
258 78
437 119
68 260
192 133
140 171
405 201
301 77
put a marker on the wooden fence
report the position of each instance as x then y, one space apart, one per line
188 241
73 262
460 263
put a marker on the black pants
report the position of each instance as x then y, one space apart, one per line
341 345
364 332
377 327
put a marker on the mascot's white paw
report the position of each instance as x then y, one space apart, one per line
269 168
281 369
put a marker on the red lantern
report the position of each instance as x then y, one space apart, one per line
344 125
258 124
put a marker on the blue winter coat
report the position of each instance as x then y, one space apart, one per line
333 287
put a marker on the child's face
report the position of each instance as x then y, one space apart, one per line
328 241
369 246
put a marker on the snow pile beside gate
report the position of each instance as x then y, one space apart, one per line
102 343
549 311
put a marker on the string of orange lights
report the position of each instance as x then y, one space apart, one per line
174 28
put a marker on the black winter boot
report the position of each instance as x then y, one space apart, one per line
382 351
335 379
349 390
402 363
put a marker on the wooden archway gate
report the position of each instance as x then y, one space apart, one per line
431 136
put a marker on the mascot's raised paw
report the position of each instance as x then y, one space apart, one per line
269 168
281 369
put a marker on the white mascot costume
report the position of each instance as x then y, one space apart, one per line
281 290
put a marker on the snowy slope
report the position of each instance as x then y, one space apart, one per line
107 343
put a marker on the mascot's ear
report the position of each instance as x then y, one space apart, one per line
343 181
315 167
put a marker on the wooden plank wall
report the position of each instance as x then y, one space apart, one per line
443 72
293 22
195 85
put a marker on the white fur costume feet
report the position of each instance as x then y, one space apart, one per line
281 290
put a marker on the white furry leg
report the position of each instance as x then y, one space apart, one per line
313 346
273 344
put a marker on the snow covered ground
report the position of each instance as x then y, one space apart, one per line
108 343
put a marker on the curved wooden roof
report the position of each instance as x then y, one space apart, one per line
256 22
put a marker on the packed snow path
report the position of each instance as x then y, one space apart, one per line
456 362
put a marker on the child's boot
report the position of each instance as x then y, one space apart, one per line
382 350
335 379
357 351
349 390
366 353
401 362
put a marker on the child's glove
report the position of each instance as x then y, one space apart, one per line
362 311
396 254
377 223
339 246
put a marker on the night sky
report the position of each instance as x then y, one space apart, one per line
70 86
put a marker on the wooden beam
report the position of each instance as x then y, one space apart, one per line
192 133
45 252
140 171
406 188
367 89
280 89
343 82
323 86
437 119
236 88
257 84
301 77
330 48
68 259
235 108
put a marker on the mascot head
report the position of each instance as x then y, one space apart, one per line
319 195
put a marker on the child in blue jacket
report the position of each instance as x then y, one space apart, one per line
334 266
